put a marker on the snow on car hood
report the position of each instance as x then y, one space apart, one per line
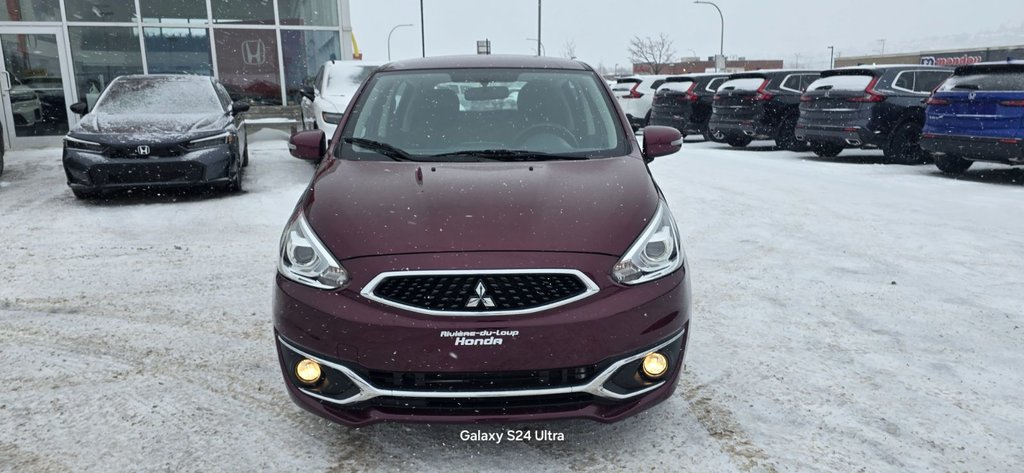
363 208
130 127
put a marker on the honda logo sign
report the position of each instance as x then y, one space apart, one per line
254 52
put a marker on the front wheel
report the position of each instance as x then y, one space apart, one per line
950 164
905 145
738 141
827 150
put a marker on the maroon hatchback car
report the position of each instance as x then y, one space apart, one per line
482 241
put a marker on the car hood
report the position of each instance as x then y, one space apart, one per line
124 128
364 208
334 103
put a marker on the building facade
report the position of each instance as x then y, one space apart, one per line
949 57
58 52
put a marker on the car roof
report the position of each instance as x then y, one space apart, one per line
485 61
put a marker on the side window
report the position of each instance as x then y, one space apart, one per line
806 80
792 82
904 81
714 84
927 81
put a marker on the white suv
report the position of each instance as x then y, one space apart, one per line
635 95
324 103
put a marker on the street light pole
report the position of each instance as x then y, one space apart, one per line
721 42
831 57
389 37
541 50
423 34
539 45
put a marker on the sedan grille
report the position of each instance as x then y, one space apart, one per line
484 293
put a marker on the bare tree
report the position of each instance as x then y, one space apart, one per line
655 53
569 50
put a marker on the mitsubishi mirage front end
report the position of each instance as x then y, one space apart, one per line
482 242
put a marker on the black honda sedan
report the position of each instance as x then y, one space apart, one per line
157 131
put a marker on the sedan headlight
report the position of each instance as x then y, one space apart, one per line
75 143
332 118
211 141
306 261
655 254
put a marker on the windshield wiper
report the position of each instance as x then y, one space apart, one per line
512 155
385 149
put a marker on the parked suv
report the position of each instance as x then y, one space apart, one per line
869 107
448 264
636 95
684 102
324 102
977 115
760 105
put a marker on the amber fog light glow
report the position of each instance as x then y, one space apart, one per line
308 371
655 365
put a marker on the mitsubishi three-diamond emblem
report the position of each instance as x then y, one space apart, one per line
481 297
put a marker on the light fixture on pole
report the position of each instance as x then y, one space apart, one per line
721 42
392 32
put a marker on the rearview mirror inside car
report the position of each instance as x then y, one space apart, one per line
79 108
661 141
309 145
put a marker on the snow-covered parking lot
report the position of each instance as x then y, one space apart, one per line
848 316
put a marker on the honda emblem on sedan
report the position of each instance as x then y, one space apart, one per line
481 296
143 150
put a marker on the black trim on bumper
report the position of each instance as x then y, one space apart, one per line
975 148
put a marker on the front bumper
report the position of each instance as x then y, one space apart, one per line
974 148
371 345
88 170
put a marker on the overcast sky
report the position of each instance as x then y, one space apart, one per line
777 29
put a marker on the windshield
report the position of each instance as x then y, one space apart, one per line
345 80
748 83
441 112
160 95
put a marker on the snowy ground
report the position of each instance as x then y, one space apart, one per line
848 316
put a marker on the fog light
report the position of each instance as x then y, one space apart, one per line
308 371
655 365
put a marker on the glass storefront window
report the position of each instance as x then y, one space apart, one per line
100 10
173 12
304 52
257 12
30 10
308 12
178 51
248 66
101 53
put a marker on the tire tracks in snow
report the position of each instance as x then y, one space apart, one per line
721 425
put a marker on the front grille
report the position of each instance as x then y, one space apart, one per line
147 173
482 381
155 151
497 292
499 405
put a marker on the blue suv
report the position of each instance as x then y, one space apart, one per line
977 115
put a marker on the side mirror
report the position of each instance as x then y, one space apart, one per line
660 141
239 107
308 92
79 108
309 145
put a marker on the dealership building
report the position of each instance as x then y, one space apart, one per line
58 52
949 57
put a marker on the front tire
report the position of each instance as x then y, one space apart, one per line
827 150
738 141
905 145
245 157
953 165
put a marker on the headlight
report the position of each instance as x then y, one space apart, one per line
75 143
306 261
332 118
655 254
211 141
